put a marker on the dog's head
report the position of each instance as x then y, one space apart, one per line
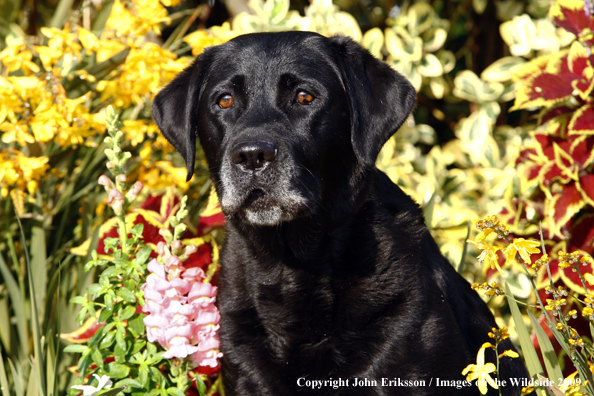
283 118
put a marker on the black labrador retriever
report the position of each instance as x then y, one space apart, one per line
330 283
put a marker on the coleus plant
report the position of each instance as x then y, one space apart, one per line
557 172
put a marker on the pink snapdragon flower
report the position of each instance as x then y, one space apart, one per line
182 316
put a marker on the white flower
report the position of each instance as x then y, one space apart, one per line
104 382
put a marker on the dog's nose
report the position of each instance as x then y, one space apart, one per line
253 155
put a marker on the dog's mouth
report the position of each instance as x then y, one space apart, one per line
257 199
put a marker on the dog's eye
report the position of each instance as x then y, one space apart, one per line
226 101
304 98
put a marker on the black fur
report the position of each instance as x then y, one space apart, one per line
328 270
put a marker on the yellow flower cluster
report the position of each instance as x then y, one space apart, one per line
518 247
16 169
567 260
588 310
52 96
493 289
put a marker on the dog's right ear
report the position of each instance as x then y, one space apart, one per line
175 109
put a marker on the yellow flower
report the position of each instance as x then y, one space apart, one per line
480 371
17 171
33 167
216 35
510 353
18 57
108 48
89 41
144 15
62 40
522 246
18 132
146 70
488 254
49 56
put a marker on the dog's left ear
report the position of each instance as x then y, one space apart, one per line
380 98
175 110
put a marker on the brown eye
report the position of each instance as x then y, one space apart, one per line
226 101
304 98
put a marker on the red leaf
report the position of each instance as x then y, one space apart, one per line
563 206
587 187
582 234
572 16
582 121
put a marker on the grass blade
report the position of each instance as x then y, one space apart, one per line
464 249
39 263
17 378
548 352
38 351
530 356
3 377
17 304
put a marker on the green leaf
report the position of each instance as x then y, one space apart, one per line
430 66
502 69
136 324
128 382
548 352
373 41
104 315
175 392
143 372
143 255
108 340
435 40
108 301
112 392
112 272
76 348
121 343
127 295
97 358
479 6
117 370
528 351
78 300
137 346
201 386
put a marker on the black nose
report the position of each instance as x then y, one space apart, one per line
253 155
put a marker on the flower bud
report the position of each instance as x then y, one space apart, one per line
176 245
190 249
121 179
137 188
105 182
116 201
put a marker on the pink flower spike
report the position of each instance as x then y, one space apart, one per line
209 343
182 285
194 274
174 267
179 351
208 315
207 358
156 268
